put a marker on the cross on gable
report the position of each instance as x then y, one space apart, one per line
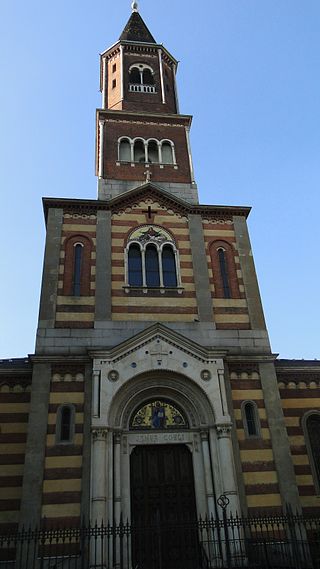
150 214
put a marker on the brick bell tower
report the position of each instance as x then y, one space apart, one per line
140 134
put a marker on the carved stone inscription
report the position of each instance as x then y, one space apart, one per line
159 438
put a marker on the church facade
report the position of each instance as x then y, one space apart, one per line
153 390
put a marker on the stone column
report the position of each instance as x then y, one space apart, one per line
96 393
99 470
117 476
208 473
227 469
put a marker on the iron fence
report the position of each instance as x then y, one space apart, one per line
275 542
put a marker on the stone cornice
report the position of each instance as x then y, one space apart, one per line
260 358
59 359
145 117
127 198
131 45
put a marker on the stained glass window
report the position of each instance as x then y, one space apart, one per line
157 415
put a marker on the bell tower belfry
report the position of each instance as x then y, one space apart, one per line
140 133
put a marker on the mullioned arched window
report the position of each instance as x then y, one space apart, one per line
148 151
141 78
152 259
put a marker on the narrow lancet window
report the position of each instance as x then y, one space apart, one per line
65 424
250 416
77 269
224 273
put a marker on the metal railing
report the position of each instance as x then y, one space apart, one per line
274 542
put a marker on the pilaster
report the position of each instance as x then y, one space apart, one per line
50 275
249 274
103 267
278 432
36 444
200 269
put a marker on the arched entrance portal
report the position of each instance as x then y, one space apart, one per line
151 425
162 504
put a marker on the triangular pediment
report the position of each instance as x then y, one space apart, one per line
158 338
149 190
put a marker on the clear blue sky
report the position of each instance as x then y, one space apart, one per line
249 73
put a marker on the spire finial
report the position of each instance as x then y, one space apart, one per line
134 7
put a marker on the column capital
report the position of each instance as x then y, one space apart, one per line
204 435
224 430
117 435
99 433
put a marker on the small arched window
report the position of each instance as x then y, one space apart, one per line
147 77
135 266
125 150
251 419
169 267
153 151
139 151
311 427
77 266
152 266
134 75
167 153
65 424
224 272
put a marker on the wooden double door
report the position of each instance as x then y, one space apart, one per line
163 507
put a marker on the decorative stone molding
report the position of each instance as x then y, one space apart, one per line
117 437
224 431
204 435
99 433
113 375
206 375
